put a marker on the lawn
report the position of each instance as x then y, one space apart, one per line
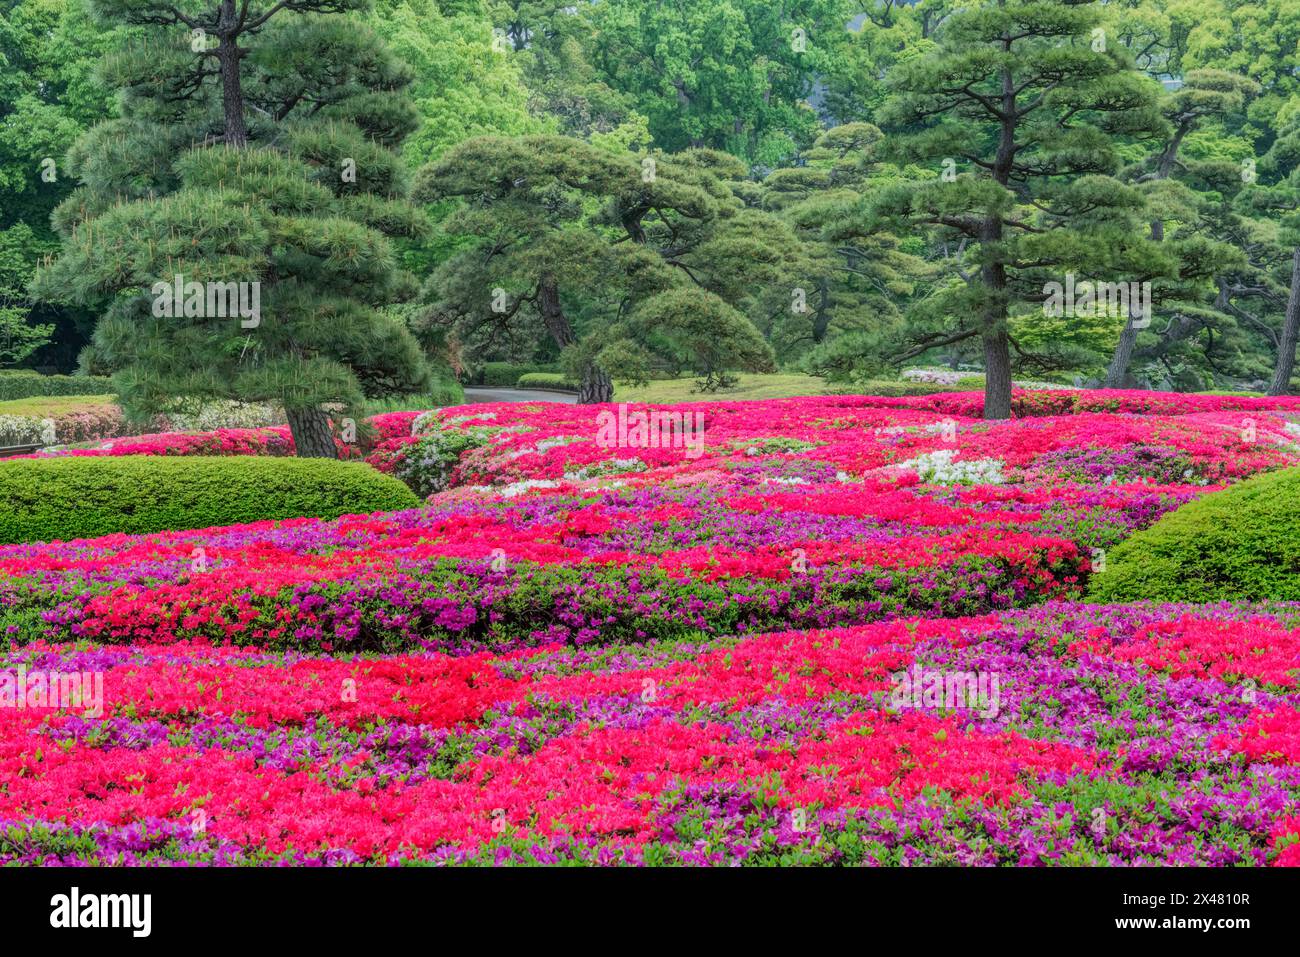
749 386
54 405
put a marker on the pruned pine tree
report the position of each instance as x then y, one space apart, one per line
1023 104
583 246
256 156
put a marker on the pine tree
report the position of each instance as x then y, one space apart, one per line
256 151
1204 94
578 244
1025 102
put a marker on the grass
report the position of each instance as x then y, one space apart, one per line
41 406
779 386
450 395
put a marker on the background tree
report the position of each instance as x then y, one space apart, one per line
573 239
1204 94
256 145
863 279
1282 198
48 97
730 75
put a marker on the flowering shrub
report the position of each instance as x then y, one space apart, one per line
225 414
26 430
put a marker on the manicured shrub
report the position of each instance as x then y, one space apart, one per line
48 499
24 385
547 380
1240 543
504 375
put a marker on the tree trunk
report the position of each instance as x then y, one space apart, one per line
1123 357
1117 372
553 317
1281 383
993 274
997 371
822 317
312 438
596 386
232 94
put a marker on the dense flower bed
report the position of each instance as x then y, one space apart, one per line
1097 742
587 646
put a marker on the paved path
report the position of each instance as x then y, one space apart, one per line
518 395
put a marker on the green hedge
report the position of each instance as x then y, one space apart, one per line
25 385
546 380
1242 543
504 375
66 498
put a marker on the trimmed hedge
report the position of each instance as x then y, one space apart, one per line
1242 543
547 380
25 385
67 498
504 375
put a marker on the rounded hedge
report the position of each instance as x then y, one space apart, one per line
67 498
1242 543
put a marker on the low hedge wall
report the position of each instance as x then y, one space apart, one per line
67 498
547 380
25 385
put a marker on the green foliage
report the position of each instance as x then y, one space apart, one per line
289 184
547 380
505 374
1239 544
727 74
67 498
23 385
464 85
443 393
894 389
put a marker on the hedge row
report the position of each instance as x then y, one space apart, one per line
889 388
504 375
25 385
48 499
546 380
